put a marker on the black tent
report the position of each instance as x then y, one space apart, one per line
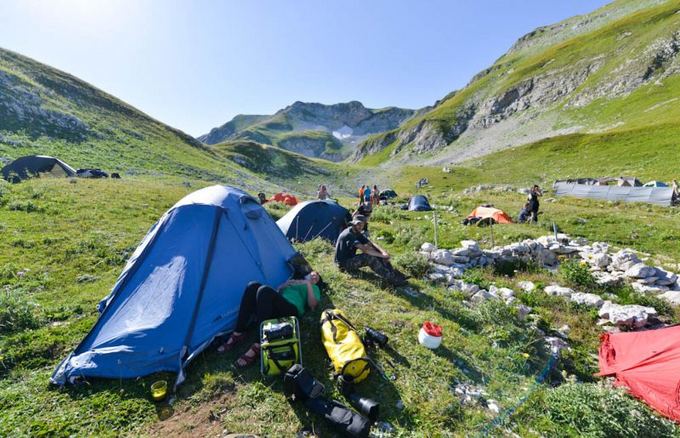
310 219
419 203
36 166
387 194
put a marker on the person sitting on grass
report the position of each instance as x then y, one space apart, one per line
261 302
524 214
373 256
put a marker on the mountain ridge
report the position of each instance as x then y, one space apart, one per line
312 129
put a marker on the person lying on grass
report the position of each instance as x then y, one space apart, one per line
263 302
373 256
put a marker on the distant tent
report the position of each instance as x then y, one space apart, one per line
419 203
286 198
311 219
655 184
387 194
91 173
36 166
647 363
498 216
181 287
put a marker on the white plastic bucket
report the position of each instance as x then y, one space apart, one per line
428 340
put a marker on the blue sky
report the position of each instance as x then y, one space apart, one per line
196 64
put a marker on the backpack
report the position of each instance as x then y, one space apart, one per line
280 345
344 346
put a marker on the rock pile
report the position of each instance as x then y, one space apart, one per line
606 268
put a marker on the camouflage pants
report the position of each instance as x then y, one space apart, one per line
380 266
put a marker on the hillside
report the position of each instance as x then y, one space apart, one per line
609 71
49 112
312 129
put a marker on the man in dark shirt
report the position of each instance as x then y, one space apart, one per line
353 239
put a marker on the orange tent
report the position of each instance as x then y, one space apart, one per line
499 216
286 198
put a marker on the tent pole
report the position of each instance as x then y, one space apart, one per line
434 212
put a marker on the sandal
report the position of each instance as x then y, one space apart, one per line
249 357
231 342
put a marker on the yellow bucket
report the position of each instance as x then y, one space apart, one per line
159 390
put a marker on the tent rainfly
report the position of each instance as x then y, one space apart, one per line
311 219
419 203
182 287
654 195
36 166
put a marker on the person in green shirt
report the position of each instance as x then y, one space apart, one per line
263 302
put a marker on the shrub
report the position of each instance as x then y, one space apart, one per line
386 235
599 410
23 205
627 295
413 264
16 312
577 274
476 276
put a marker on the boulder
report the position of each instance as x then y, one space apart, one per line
559 291
586 299
640 270
601 260
427 247
468 289
502 292
526 286
665 278
672 297
648 289
483 295
522 311
630 315
443 257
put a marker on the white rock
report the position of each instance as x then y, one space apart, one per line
558 291
630 315
483 295
640 270
468 289
523 311
555 344
470 245
600 260
443 257
590 300
647 289
427 247
492 405
526 286
672 297
666 278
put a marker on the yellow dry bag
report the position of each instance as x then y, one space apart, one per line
344 346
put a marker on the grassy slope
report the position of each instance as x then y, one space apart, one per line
72 262
608 43
120 138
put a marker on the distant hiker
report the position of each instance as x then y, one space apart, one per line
533 202
524 214
675 197
373 256
375 196
323 192
261 197
361 194
263 302
367 195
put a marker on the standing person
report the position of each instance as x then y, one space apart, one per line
373 256
361 194
367 195
533 202
263 302
375 196
323 192
675 197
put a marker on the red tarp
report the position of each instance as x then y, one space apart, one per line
648 363
499 216
286 198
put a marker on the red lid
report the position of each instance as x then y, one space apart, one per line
432 329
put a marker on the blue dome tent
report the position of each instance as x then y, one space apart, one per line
181 287
419 203
311 219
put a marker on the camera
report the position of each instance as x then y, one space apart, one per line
375 337
370 408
